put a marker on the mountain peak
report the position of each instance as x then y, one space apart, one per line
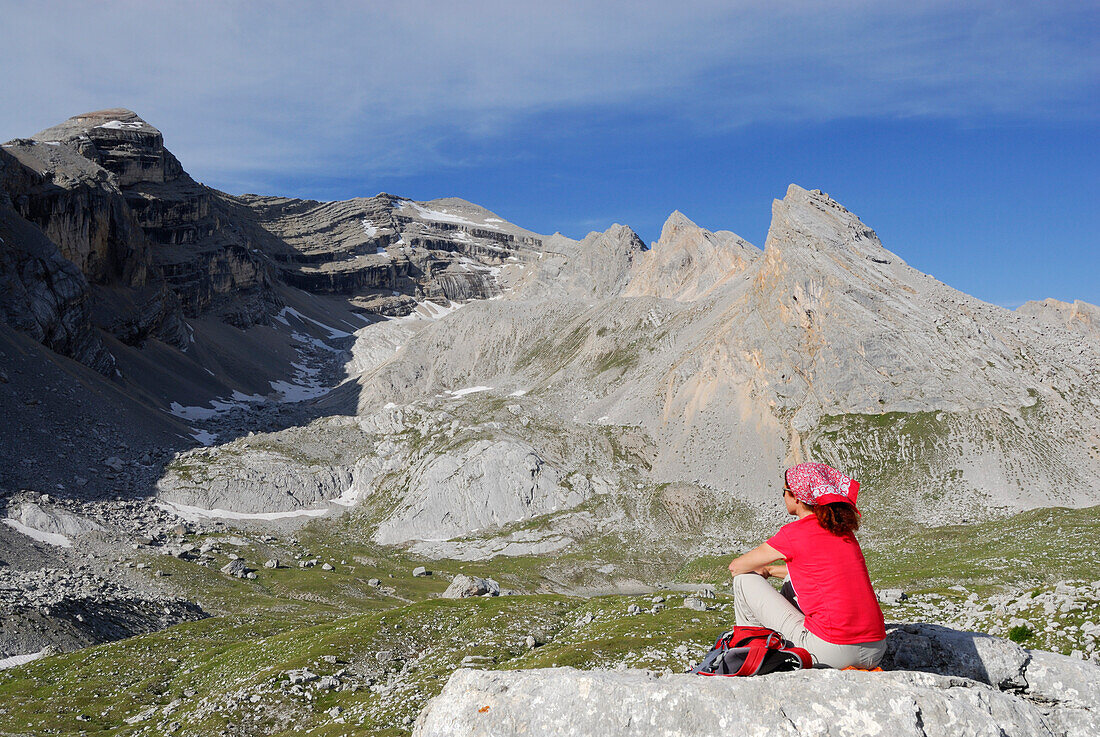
100 123
810 218
689 262
676 221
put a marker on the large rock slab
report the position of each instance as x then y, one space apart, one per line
564 701
936 681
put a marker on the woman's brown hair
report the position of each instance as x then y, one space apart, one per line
838 518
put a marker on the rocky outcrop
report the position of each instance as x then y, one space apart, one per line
464 587
120 142
78 205
998 689
489 483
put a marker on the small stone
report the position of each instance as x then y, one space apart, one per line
334 711
530 642
374 582
327 567
273 563
328 683
384 656
633 609
251 575
421 571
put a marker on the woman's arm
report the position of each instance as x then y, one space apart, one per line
777 570
755 561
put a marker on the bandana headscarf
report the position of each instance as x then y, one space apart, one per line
816 483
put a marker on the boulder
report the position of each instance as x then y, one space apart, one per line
464 586
892 597
692 602
236 568
935 649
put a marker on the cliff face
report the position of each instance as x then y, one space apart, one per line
192 232
42 293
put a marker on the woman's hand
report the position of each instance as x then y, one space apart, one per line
755 561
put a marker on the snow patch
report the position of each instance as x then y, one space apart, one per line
469 390
204 436
289 392
119 125
368 228
194 514
15 660
518 393
290 311
50 538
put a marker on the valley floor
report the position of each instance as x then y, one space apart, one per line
360 648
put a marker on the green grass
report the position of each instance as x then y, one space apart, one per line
204 675
229 672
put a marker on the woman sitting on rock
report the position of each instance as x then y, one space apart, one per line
832 610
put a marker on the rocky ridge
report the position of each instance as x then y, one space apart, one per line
825 346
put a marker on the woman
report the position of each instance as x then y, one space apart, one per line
838 618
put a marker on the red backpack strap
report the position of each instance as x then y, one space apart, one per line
803 655
755 658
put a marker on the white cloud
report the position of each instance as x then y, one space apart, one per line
244 91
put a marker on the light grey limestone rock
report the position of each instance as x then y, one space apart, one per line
934 649
236 568
464 586
485 484
54 520
692 602
1077 316
892 597
688 262
818 703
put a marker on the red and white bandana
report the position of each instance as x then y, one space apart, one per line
816 483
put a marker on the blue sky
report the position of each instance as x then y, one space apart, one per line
966 134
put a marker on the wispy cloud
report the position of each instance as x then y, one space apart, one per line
248 91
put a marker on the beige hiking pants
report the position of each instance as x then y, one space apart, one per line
757 604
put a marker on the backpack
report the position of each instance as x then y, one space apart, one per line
752 651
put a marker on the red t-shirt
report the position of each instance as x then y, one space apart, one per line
830 579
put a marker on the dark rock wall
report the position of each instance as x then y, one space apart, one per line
42 293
